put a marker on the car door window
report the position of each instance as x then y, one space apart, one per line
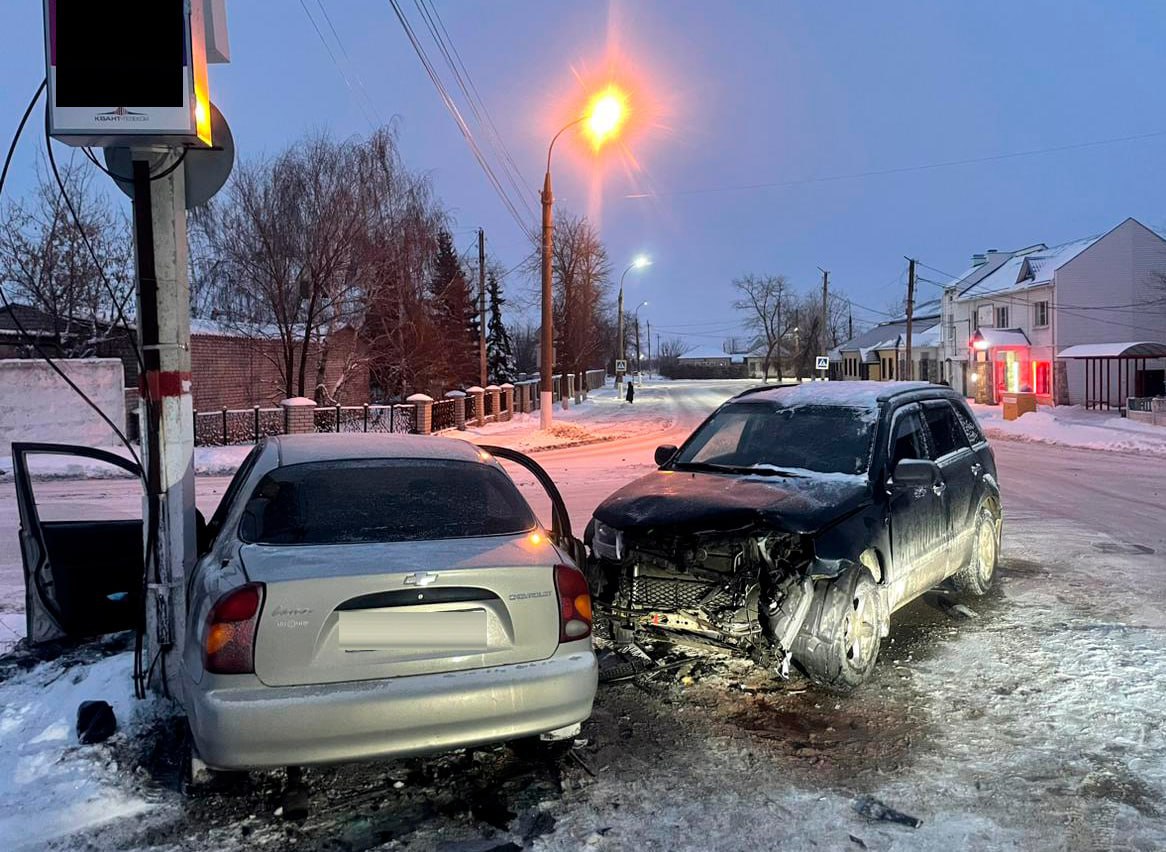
907 441
968 422
947 436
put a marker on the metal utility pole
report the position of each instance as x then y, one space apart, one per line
849 320
649 322
168 439
825 308
482 368
910 371
546 400
622 354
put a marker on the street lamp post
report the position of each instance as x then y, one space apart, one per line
639 263
604 116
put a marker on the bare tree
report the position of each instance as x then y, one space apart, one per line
582 283
526 341
46 263
767 301
669 353
304 246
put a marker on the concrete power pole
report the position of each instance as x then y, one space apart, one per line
159 212
910 367
482 368
649 322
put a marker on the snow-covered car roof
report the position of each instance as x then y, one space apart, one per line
856 394
297 449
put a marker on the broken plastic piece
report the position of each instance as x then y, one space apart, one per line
95 722
873 809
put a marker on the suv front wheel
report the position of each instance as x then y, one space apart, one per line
840 642
976 577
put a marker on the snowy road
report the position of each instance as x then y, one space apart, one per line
1036 724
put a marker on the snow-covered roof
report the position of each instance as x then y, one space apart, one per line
1028 268
997 338
705 353
864 394
1143 349
926 339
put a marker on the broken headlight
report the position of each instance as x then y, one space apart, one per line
607 542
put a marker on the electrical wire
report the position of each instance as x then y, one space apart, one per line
905 169
343 76
348 59
451 107
461 75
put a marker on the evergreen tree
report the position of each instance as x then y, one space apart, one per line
455 314
499 349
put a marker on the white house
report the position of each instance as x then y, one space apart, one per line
1007 320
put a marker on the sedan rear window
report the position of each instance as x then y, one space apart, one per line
383 500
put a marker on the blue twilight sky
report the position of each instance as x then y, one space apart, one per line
728 95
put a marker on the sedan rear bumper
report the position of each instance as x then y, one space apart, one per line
239 723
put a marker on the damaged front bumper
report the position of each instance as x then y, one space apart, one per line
746 592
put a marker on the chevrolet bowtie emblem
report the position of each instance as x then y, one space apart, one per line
422 579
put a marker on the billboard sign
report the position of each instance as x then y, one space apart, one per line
128 73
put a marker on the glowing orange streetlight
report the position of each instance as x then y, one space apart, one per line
602 121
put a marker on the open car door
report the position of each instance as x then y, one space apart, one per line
560 531
83 565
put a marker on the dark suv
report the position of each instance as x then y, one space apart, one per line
796 519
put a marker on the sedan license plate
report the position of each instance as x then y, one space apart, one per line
463 630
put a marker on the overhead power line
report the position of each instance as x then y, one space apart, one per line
469 91
523 224
343 75
1010 155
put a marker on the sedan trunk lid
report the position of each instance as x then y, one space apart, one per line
348 612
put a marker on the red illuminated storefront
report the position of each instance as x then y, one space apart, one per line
1006 352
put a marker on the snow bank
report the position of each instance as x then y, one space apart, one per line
208 461
1073 426
50 785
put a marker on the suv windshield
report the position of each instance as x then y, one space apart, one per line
769 438
382 500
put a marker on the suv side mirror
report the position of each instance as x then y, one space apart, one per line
664 454
915 473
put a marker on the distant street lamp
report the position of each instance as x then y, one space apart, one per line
639 263
602 120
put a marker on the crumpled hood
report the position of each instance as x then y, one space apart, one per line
705 502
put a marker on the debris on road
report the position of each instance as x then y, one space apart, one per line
96 722
873 809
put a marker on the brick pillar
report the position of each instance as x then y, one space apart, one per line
424 406
479 395
580 384
299 415
567 386
495 397
507 400
459 411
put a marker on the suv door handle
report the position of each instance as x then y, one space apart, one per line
939 488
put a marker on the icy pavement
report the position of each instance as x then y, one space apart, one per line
1034 722
1073 426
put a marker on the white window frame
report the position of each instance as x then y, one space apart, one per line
1036 318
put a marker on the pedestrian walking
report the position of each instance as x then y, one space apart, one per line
631 396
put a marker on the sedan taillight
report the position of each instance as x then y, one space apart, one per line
574 603
229 643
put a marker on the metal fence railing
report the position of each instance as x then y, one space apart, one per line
489 401
471 412
366 418
1139 403
445 414
236 426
